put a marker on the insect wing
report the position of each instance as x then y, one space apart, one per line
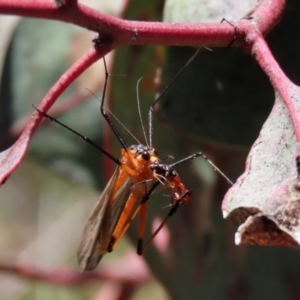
88 252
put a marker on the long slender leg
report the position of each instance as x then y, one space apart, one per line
124 227
123 220
85 138
142 226
207 159
105 115
172 211
142 208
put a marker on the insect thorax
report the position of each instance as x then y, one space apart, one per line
139 158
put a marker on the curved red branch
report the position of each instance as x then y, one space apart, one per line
141 33
267 14
12 157
254 42
115 271
278 79
65 276
123 31
115 32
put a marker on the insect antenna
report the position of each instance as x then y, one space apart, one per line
122 124
151 109
139 110
85 138
117 119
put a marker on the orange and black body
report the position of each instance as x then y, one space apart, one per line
114 212
105 226
139 171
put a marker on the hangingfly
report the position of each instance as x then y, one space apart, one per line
139 171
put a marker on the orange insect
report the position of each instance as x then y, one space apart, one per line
138 173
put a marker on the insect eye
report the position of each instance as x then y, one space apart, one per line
146 155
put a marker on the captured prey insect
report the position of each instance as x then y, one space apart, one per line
139 171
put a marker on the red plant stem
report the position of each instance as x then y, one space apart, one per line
115 32
15 154
123 31
261 52
90 57
65 276
267 14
